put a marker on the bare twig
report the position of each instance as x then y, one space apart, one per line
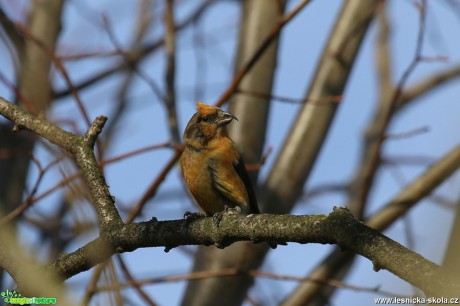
31 197
263 159
376 132
133 65
92 284
233 271
134 152
68 179
138 55
259 52
408 134
60 66
409 95
151 191
147 299
332 99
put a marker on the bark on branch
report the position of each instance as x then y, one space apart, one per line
339 227
80 147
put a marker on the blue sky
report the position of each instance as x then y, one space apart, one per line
301 45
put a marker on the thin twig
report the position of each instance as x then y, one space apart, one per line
132 64
29 105
28 202
274 33
147 299
151 191
263 159
92 285
232 271
331 99
375 155
81 148
60 66
138 55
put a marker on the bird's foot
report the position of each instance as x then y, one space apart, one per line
194 215
217 217
227 211
232 210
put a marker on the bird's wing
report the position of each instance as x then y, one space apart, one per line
234 184
227 182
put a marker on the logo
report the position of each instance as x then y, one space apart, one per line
15 298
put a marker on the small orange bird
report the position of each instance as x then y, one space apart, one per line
211 165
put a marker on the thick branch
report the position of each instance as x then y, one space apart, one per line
412 194
339 227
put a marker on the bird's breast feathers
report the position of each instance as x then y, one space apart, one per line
211 177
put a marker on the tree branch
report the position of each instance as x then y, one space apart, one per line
274 33
81 148
339 227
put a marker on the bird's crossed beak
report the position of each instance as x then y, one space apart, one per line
225 118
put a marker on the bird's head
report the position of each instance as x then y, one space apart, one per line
207 123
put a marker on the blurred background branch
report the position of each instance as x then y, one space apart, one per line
373 131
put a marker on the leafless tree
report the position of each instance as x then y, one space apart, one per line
54 166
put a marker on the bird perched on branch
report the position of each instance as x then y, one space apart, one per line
211 165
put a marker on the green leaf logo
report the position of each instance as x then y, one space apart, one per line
7 295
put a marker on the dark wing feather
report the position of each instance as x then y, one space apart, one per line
243 174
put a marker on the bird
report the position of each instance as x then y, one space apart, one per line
212 167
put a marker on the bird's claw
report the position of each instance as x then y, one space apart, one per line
194 215
217 217
232 210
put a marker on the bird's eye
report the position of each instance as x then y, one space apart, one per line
205 119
